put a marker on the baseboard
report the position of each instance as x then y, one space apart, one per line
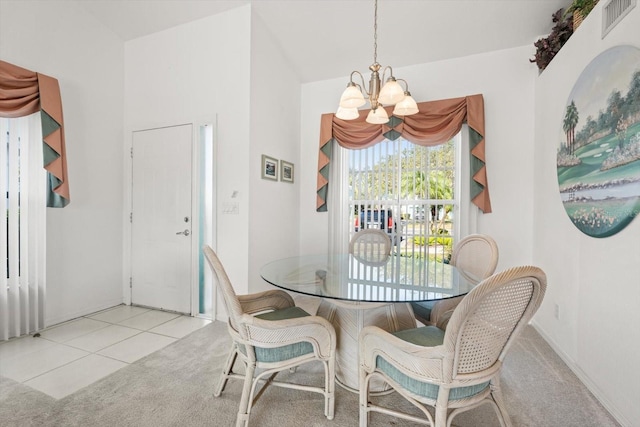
82 312
584 378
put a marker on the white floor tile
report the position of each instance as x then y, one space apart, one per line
102 338
136 347
33 364
73 329
180 326
19 347
148 320
119 313
70 378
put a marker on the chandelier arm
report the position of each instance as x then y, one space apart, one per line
406 85
361 87
384 73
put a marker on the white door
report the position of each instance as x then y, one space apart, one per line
161 218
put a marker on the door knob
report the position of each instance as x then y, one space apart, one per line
185 232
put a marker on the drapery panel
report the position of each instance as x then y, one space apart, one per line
435 123
24 92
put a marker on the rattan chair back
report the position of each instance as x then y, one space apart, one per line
370 246
476 256
229 296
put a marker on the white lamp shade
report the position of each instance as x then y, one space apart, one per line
378 116
352 97
347 113
406 107
391 93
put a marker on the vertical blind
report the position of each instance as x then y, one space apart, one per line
408 191
22 227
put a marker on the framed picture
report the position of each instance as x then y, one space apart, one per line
286 171
269 168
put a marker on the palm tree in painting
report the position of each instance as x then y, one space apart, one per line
571 118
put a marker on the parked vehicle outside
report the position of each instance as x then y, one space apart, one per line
381 219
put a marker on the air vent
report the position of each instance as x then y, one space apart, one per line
613 12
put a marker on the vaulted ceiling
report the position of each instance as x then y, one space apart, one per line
325 39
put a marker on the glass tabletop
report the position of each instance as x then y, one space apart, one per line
345 277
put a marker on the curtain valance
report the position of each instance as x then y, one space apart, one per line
435 123
24 92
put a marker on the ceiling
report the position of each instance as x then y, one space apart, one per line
326 39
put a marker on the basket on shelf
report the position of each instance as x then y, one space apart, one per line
577 19
581 8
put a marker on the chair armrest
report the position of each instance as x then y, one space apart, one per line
413 360
441 307
273 299
316 330
443 319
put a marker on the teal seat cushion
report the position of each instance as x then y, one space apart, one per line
429 336
422 309
285 352
284 313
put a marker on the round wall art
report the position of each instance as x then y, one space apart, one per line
599 154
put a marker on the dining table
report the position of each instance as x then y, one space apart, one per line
356 293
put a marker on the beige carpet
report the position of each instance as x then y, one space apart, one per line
173 387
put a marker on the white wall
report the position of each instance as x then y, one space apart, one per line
593 281
275 131
84 239
197 72
505 78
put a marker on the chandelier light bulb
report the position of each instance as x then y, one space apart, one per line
352 97
378 116
407 106
347 113
391 92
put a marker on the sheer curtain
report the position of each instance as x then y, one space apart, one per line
338 197
23 186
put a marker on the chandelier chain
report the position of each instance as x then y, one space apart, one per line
375 32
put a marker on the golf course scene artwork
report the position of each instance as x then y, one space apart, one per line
598 159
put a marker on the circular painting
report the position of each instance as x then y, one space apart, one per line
599 154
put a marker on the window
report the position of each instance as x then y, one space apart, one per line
409 191
22 242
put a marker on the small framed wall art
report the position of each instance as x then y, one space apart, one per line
269 168
286 171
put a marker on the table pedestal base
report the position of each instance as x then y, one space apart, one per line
348 319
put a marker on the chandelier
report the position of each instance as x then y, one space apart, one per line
391 93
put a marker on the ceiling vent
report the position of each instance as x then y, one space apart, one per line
613 12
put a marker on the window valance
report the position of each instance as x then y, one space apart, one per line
24 92
435 123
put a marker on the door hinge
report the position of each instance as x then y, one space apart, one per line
131 217
130 282
131 152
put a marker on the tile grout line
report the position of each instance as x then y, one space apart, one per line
108 323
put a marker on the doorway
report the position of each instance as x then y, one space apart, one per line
162 225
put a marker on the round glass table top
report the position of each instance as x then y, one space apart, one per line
345 277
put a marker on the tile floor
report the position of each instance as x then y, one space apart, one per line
74 354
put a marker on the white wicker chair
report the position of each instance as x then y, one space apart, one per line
271 334
477 258
457 369
370 246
